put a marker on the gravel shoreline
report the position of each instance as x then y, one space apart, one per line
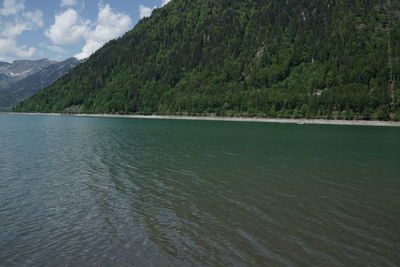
237 119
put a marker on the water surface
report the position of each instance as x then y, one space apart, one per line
118 192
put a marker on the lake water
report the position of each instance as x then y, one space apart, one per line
80 191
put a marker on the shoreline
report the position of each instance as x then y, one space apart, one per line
233 119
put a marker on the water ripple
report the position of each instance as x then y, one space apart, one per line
115 192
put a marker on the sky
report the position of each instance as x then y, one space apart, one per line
59 29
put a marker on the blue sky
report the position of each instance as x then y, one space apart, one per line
59 29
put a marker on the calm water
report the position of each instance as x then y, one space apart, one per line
117 192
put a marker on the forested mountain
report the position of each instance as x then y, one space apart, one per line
18 90
273 58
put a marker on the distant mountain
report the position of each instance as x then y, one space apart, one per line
17 91
41 79
13 72
3 80
2 64
267 58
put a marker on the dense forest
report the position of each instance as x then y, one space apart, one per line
266 58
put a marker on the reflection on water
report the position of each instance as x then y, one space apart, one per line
120 192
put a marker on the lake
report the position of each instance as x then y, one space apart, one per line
78 191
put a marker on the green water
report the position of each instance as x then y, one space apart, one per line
121 192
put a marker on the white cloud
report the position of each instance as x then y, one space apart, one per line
35 18
65 3
53 48
26 22
145 11
56 49
164 2
110 25
11 7
68 28
12 29
8 46
13 23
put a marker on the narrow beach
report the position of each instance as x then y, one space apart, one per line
237 119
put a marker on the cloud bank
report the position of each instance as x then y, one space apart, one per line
164 2
65 3
11 7
110 25
69 28
15 21
145 11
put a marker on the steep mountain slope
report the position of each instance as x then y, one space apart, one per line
14 93
306 58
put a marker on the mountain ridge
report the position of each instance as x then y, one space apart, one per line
13 93
20 69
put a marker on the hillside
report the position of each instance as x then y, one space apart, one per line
268 58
